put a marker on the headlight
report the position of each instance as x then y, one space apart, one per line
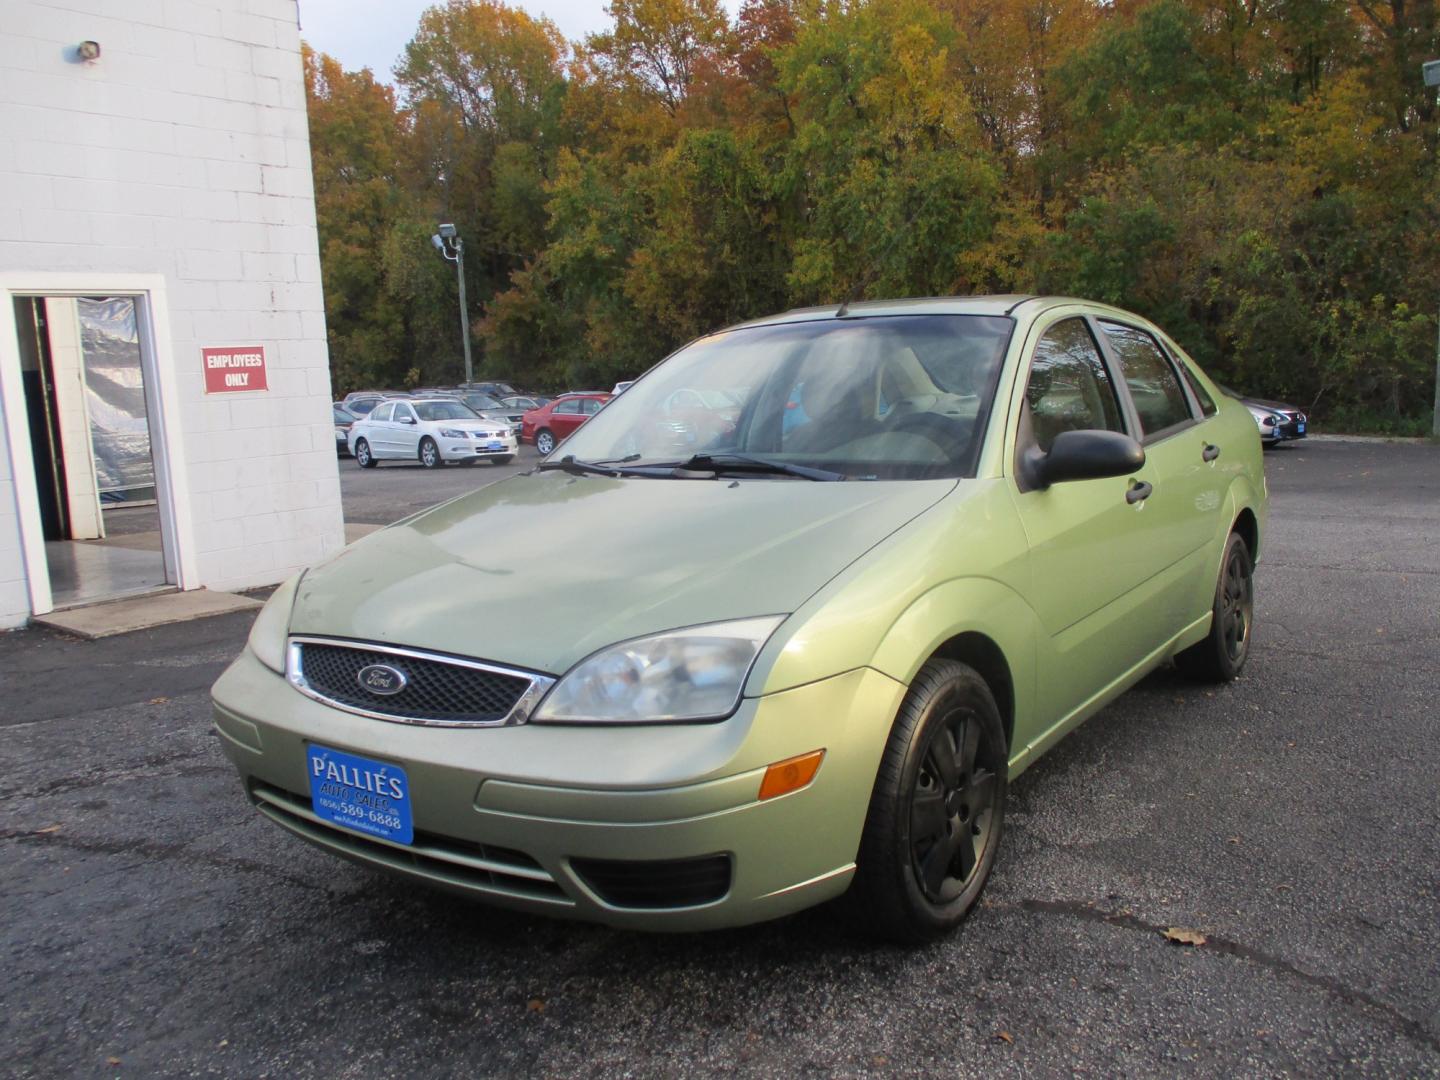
451 433
691 674
267 635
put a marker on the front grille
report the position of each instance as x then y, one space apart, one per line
653 884
436 689
442 859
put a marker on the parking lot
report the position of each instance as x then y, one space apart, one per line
156 926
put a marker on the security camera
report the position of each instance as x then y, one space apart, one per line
88 50
439 244
447 231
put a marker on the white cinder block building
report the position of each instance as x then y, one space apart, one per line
164 381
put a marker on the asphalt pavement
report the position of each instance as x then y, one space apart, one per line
154 925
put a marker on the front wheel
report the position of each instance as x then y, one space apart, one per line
937 810
429 453
544 441
1221 655
363 457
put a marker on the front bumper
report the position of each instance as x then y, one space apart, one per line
510 815
479 449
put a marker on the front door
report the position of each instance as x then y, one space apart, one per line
1092 551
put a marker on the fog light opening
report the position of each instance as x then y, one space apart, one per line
789 775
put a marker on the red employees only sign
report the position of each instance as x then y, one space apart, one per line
239 368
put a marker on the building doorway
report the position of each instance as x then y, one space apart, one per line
92 446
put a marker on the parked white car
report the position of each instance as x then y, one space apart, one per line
432 431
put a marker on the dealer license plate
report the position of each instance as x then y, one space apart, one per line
370 797
496 446
1300 429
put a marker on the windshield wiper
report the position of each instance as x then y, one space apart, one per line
613 467
733 461
573 465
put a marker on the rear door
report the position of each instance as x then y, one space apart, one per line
377 430
405 431
566 417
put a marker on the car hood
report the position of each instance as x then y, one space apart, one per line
542 569
1273 406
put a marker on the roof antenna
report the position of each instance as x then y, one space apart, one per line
860 286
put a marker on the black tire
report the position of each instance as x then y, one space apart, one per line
430 453
503 459
937 810
1221 656
363 457
545 441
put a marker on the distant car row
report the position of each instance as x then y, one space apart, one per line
450 426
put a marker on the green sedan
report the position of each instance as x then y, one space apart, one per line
699 671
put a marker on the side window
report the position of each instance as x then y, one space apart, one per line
381 412
1207 403
403 411
590 406
569 407
1069 388
1154 386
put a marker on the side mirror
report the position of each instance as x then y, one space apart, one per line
407 420
1083 455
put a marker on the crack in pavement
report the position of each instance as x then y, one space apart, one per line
150 849
103 775
1413 1029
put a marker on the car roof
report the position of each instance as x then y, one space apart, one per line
1003 305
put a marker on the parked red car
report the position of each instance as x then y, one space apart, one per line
552 424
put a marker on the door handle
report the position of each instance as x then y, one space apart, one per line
1139 491
1211 452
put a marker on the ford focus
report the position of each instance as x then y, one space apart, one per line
801 657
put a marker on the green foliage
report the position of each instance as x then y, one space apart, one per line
1258 178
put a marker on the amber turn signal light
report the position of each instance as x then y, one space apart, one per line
791 774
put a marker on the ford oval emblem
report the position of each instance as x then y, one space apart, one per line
381 679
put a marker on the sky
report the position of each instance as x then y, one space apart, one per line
373 33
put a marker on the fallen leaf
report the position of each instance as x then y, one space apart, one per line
224 1043
158 700
1180 935
112 1061
536 1005
47 829
1005 1036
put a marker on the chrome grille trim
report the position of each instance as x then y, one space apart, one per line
519 712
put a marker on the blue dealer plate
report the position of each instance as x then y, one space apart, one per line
497 445
364 796
1299 429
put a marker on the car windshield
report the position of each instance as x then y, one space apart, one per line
482 401
895 397
444 410
341 416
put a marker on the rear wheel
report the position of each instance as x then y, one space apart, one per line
363 457
429 453
936 813
545 441
1223 652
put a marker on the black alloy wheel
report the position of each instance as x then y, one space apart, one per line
1221 655
938 808
363 457
429 453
